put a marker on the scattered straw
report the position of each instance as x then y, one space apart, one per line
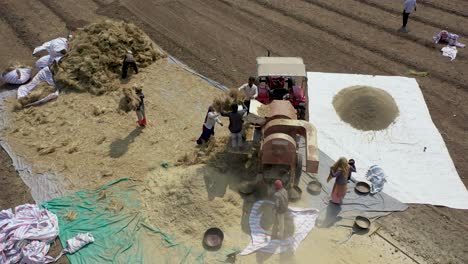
418 73
114 206
71 216
42 90
264 110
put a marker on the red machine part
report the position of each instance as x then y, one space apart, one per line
279 148
293 128
282 110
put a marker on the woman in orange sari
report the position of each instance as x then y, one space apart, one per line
341 172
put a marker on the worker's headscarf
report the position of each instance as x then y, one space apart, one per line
278 184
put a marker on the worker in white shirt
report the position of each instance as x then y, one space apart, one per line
211 119
250 91
408 8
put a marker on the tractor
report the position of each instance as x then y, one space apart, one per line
276 140
283 78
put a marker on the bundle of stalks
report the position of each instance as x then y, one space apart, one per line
130 100
224 102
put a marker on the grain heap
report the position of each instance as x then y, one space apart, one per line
366 108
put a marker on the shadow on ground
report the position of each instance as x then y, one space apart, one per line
120 146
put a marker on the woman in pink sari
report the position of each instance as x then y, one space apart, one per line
341 171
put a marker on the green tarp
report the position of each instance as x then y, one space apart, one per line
111 214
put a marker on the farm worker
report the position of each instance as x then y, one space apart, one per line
235 125
140 111
211 119
129 60
341 171
408 7
280 200
250 91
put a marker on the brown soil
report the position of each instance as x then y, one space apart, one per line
365 108
221 39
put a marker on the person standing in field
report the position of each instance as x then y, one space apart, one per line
211 119
129 60
250 91
341 171
281 201
140 111
408 8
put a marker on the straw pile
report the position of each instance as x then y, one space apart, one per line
96 54
224 102
366 108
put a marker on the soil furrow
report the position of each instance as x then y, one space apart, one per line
362 19
15 22
174 46
453 80
33 21
445 9
309 36
71 22
382 6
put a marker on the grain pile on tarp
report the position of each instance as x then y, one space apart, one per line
224 102
96 54
366 108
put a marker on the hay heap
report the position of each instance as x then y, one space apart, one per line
96 54
224 102
366 108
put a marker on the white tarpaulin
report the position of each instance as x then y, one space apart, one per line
414 174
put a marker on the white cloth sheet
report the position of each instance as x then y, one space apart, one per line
414 174
304 221
450 51
26 234
13 78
